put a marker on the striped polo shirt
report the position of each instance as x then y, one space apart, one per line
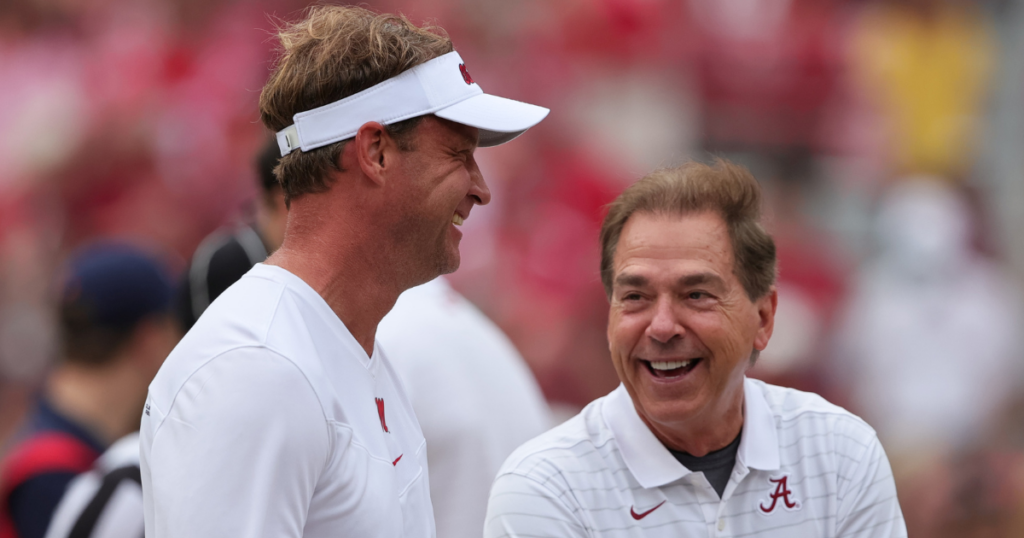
804 468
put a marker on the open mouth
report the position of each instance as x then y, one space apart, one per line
669 369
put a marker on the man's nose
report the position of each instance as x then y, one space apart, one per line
664 324
478 189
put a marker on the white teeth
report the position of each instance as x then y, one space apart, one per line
670 365
457 220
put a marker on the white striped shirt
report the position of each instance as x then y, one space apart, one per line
805 468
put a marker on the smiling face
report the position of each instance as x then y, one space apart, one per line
440 184
681 328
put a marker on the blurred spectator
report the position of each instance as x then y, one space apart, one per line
929 352
930 345
928 66
115 331
474 397
105 502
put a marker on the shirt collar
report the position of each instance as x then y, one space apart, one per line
302 289
759 446
652 465
650 462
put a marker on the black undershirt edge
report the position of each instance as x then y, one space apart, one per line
716 466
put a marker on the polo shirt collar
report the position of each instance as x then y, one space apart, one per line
650 462
759 446
652 465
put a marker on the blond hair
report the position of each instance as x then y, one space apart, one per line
725 188
335 52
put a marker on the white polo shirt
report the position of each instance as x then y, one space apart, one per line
474 396
804 468
269 419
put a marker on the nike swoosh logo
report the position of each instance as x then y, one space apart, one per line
640 516
396 459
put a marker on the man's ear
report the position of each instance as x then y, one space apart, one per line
374 150
766 317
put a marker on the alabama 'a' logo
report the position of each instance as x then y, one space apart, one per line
380 412
781 495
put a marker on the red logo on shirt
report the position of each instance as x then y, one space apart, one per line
380 412
465 74
642 515
783 492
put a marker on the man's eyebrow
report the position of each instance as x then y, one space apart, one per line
700 279
631 280
463 144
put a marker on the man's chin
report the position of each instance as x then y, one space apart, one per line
668 412
449 262
448 269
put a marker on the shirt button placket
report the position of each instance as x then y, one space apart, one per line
721 520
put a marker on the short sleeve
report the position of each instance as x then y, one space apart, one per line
238 453
521 507
868 505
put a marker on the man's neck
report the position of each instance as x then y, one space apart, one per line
701 435
349 280
102 401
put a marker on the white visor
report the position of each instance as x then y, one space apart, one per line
441 86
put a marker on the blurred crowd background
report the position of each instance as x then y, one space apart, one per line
888 136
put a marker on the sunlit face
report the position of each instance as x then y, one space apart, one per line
681 328
442 184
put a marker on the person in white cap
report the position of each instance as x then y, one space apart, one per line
278 415
687 445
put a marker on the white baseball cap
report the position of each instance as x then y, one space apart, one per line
441 86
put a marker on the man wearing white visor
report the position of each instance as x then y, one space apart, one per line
277 414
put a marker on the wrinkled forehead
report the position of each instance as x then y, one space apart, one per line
674 236
673 247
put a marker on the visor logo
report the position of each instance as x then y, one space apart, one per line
465 74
